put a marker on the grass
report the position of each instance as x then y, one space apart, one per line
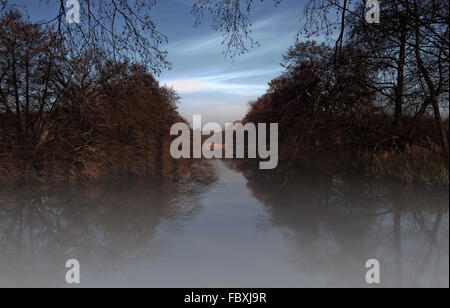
413 165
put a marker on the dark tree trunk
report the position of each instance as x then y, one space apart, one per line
399 90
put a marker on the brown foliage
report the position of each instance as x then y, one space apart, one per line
318 106
328 118
90 120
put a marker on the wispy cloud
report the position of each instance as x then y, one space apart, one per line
244 74
206 44
221 82
188 85
263 29
208 82
192 85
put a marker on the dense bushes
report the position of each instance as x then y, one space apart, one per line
81 119
319 107
121 129
329 118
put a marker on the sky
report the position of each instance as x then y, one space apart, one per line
210 84
216 87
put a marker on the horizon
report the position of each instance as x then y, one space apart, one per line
200 70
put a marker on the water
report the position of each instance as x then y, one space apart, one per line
247 229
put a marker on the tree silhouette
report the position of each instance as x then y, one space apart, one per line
118 28
31 62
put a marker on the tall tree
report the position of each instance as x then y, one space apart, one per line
121 28
409 53
431 46
390 55
31 62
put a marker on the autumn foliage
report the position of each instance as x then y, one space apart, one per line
79 119
330 118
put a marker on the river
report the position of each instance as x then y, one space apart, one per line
246 229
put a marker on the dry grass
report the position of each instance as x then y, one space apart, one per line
413 165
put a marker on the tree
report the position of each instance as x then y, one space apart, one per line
389 53
409 51
319 17
123 28
431 44
31 62
319 106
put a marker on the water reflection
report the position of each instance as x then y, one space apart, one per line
336 223
284 228
104 227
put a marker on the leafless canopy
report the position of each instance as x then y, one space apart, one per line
232 18
117 28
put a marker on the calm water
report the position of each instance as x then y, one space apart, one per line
247 229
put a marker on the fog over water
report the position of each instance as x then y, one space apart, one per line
248 228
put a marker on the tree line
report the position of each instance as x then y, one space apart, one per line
78 118
381 87
370 88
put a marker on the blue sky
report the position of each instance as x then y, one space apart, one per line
208 83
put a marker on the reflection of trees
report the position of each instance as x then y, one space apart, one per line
337 223
101 227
